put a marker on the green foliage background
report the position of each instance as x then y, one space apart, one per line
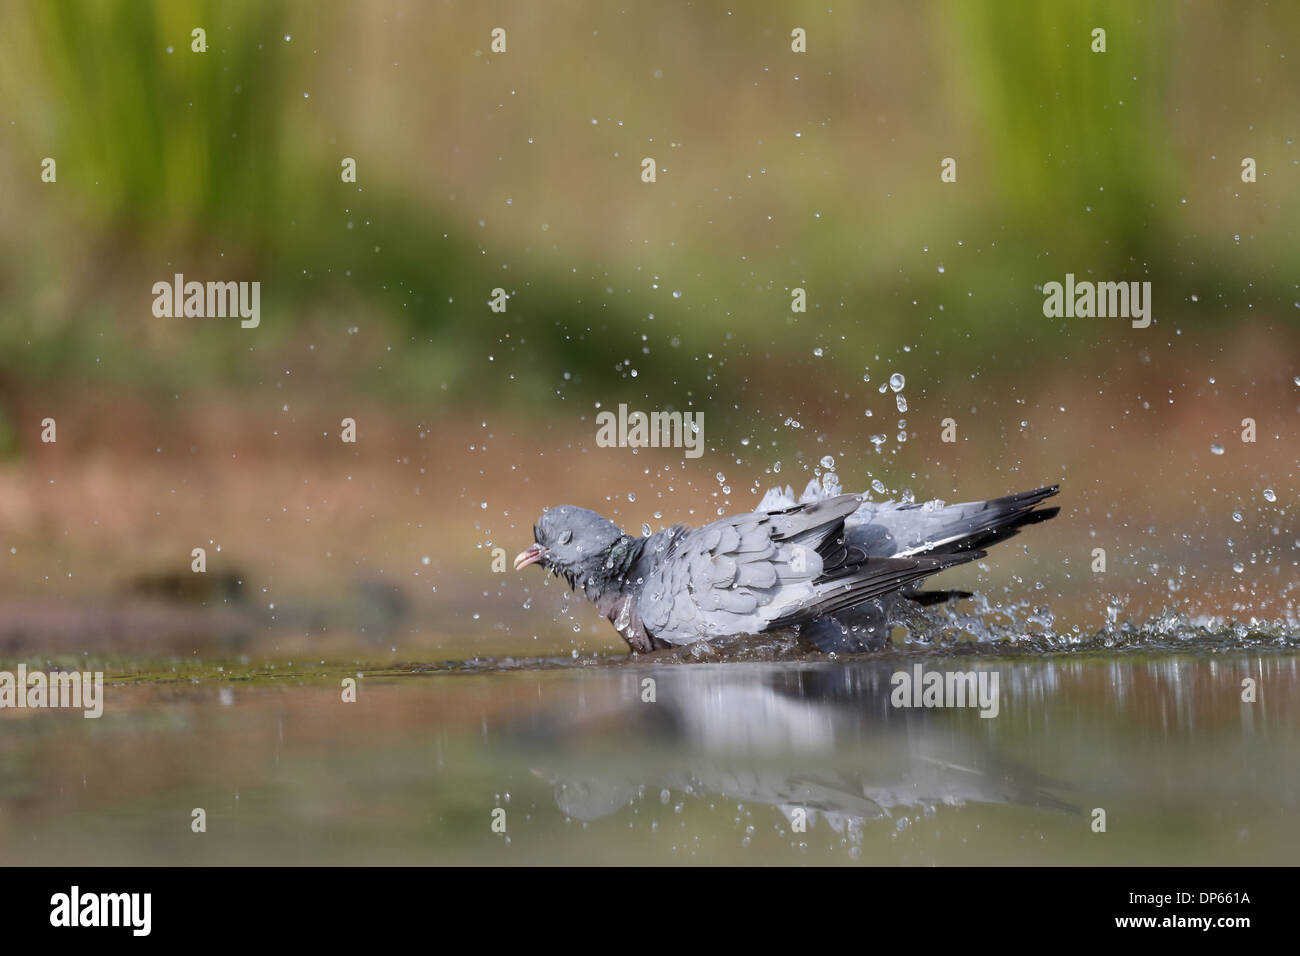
521 171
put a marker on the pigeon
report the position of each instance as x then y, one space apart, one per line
831 567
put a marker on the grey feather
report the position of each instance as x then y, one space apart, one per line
829 563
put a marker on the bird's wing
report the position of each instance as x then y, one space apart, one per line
737 574
859 581
766 570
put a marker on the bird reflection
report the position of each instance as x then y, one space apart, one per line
820 740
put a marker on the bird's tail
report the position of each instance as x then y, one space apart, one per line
979 525
913 529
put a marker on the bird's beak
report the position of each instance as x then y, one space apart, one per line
531 556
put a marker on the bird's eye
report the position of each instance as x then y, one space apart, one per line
566 537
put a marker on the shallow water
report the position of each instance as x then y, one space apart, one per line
719 768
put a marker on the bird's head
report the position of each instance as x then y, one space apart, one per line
571 542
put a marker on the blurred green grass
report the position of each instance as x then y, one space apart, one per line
226 165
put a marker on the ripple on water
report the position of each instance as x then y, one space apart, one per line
930 631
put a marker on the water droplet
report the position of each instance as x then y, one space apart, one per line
1268 495
901 402
1216 449
896 381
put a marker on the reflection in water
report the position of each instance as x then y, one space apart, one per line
718 768
819 740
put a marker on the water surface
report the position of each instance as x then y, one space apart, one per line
758 758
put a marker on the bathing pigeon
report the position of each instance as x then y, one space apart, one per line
833 566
